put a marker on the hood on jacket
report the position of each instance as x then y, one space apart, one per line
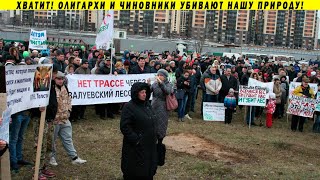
125 55
94 53
181 63
156 64
136 88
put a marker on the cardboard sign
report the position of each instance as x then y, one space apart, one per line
4 127
301 106
213 111
252 96
28 86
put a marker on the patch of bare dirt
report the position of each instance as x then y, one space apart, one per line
200 147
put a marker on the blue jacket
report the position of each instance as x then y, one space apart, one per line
230 102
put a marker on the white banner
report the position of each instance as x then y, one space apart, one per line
252 96
38 40
293 85
4 127
101 89
105 33
268 85
301 106
213 111
28 86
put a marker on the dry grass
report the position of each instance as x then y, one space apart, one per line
275 153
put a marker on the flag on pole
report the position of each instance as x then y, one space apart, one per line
105 32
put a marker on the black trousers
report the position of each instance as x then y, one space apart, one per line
102 108
297 121
228 116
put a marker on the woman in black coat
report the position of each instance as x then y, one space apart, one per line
138 126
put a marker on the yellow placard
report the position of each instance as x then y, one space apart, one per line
159 5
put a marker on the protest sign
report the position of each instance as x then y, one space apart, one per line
252 96
4 127
268 85
98 89
318 102
38 40
27 86
301 106
213 111
294 85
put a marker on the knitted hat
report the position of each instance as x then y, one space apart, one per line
272 95
231 90
163 72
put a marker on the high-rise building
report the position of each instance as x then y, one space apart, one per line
293 29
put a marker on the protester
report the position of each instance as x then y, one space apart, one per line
212 84
183 88
81 109
107 69
277 91
303 90
270 109
138 125
58 110
141 68
59 61
230 106
160 89
228 82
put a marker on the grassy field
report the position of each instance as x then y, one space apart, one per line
275 153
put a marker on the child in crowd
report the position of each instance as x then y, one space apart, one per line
270 108
230 106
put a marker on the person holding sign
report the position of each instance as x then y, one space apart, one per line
302 91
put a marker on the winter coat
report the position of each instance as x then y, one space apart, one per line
271 106
138 70
124 58
61 65
179 70
278 92
302 91
213 84
52 107
230 102
159 107
154 69
81 70
138 126
227 84
105 70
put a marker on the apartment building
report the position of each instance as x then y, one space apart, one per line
293 29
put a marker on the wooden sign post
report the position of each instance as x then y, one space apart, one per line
5 159
39 146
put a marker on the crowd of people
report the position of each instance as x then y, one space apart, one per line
218 78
